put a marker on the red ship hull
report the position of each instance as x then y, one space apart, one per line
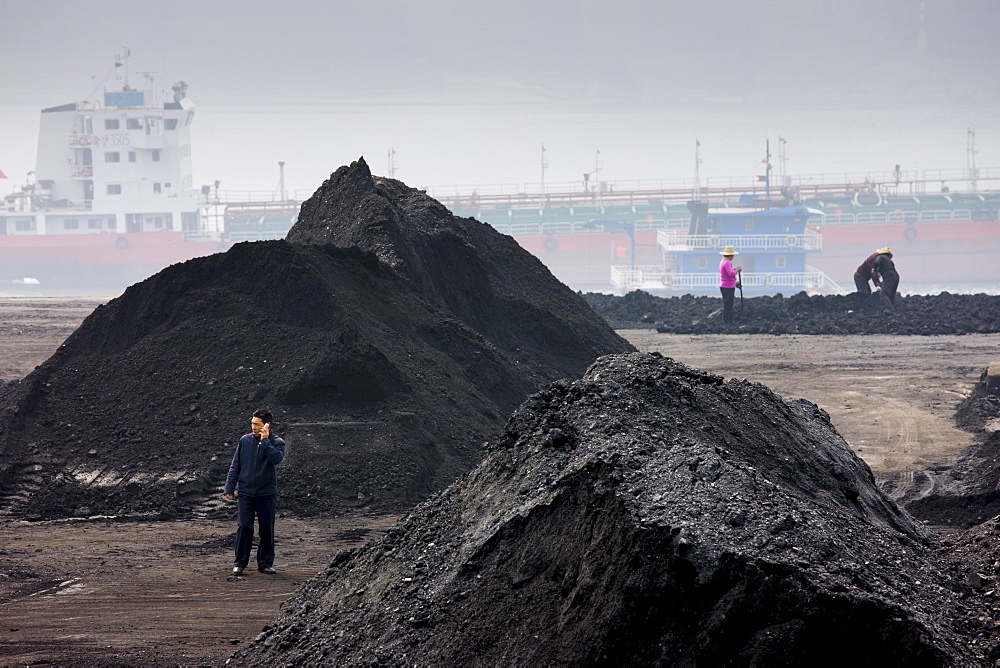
926 253
94 263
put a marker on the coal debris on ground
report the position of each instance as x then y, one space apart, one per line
646 514
390 339
967 493
802 313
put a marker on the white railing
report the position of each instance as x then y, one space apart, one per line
899 216
656 278
677 241
236 237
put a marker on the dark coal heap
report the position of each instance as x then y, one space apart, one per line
802 314
968 492
389 338
645 514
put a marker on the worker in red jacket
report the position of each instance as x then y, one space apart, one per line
865 274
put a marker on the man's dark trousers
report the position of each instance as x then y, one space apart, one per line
263 508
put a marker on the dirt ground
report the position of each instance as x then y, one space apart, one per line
892 398
95 592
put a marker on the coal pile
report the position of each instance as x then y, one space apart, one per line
645 514
389 338
968 492
802 314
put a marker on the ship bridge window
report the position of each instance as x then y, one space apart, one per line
169 123
94 223
111 124
156 156
131 156
152 126
133 124
114 189
24 225
71 224
112 156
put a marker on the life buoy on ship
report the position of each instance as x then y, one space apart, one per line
792 240
550 244
121 242
898 215
714 242
868 195
910 232
667 280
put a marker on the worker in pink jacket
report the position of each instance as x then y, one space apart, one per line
728 282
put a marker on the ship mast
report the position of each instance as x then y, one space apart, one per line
970 153
121 60
541 190
767 169
696 193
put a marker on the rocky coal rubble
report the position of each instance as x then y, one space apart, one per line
389 338
802 314
645 514
968 492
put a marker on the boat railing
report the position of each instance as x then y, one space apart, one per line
646 191
273 235
200 235
655 278
586 226
911 216
254 198
675 241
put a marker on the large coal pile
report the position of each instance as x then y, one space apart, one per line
802 314
386 368
645 514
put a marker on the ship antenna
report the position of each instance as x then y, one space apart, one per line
696 195
121 60
767 170
970 149
545 163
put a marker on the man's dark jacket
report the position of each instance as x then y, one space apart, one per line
253 466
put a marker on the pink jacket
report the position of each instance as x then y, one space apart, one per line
727 274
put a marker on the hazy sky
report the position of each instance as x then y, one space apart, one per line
567 71
621 52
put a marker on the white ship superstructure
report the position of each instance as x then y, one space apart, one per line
119 164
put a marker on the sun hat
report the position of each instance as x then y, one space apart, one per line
883 251
728 250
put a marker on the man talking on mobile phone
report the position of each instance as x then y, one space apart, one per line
256 455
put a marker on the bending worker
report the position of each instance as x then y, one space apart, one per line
862 275
728 282
887 278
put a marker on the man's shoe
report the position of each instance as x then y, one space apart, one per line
267 569
237 570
